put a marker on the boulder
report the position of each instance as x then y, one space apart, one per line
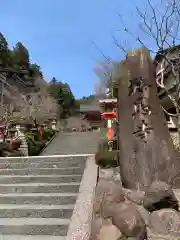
109 232
96 226
107 192
110 174
134 196
128 220
144 213
160 195
107 209
165 221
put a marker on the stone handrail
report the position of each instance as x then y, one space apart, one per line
81 221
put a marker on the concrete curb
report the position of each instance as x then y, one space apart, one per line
47 144
50 156
81 221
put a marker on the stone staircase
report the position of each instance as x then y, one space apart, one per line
24 145
37 196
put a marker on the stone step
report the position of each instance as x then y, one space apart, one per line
7 179
79 159
49 164
36 211
34 226
31 237
42 171
40 188
38 198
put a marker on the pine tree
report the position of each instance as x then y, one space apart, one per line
35 70
21 56
3 51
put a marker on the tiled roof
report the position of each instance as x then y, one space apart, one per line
89 108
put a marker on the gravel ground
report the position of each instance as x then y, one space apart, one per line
73 143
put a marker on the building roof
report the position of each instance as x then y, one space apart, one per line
89 108
108 100
160 54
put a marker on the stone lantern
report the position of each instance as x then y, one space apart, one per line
54 124
2 132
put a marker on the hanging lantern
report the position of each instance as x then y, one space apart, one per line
107 115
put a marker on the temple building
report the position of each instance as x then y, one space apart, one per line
91 113
164 75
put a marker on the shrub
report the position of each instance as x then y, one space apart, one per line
5 147
16 144
36 143
2 149
16 153
32 135
34 147
40 144
106 159
103 145
34 150
48 134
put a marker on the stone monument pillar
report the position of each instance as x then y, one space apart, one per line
146 148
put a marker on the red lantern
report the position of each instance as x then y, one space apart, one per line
107 115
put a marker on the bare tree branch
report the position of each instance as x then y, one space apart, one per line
162 25
99 50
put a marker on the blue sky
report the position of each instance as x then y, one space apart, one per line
59 35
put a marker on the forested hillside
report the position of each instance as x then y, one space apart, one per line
25 91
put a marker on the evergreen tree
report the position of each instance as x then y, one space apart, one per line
3 51
53 80
21 56
35 70
63 95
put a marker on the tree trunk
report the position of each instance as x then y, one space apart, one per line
146 148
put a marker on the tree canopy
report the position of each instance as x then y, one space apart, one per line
18 58
4 53
63 95
21 56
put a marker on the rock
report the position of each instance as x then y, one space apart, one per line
134 196
144 213
165 221
96 226
110 174
156 236
107 192
107 209
128 220
115 193
109 232
158 196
